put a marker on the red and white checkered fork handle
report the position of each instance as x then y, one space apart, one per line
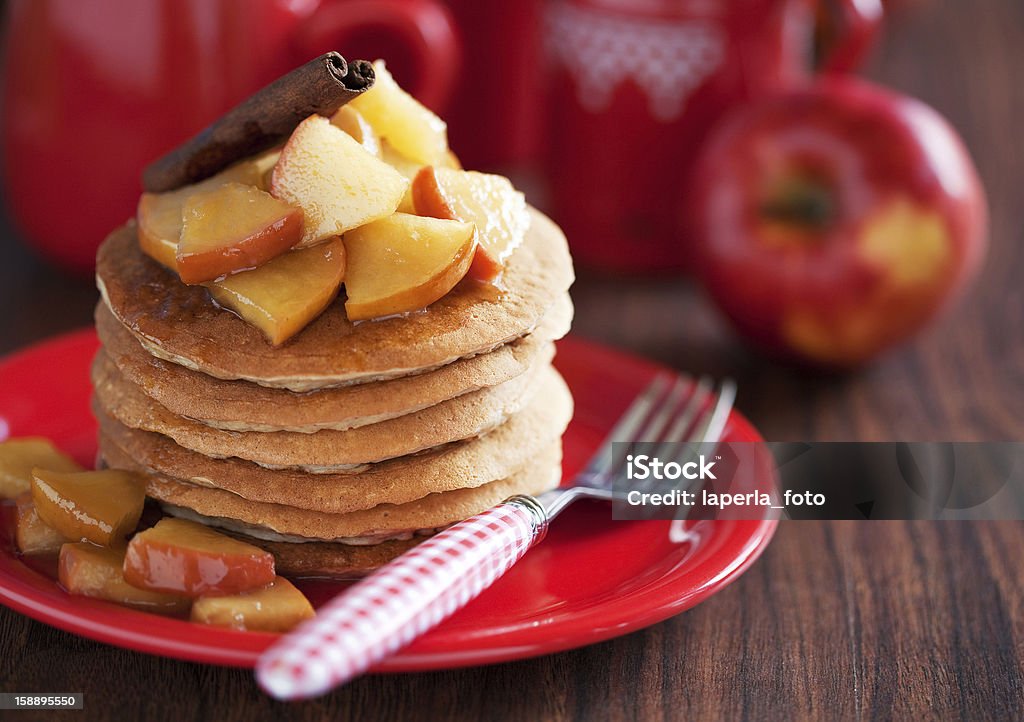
400 601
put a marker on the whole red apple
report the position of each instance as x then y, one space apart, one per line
833 221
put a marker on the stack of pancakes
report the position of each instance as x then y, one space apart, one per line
352 441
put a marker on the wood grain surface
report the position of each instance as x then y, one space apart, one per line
838 620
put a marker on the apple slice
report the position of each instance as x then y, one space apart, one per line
408 125
233 228
91 571
283 296
336 182
31 534
404 263
450 160
410 169
159 215
352 122
99 506
278 607
264 167
19 456
406 167
184 557
489 201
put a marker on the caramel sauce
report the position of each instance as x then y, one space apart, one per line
487 291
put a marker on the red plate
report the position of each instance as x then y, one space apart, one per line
591 579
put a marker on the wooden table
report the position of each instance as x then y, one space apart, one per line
838 619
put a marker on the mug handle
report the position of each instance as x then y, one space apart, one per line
425 26
857 26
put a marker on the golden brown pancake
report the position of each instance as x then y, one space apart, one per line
465 464
243 406
181 324
261 520
463 417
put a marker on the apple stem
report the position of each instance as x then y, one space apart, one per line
801 203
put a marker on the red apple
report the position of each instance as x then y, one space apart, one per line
834 221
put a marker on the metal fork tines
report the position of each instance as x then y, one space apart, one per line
670 410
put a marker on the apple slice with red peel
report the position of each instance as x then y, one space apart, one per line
278 607
91 571
489 201
19 456
352 122
184 557
406 124
159 215
233 228
404 263
336 182
283 296
410 169
99 506
31 534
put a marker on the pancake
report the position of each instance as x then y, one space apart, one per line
463 417
181 324
271 521
466 464
243 406
317 559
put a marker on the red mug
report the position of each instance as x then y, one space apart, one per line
95 90
635 88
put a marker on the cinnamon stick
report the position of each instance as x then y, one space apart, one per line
261 121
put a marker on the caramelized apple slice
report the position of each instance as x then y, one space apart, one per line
410 169
489 201
352 122
30 534
19 456
233 228
278 607
159 226
91 571
264 167
404 263
188 558
159 215
405 123
407 168
336 182
99 506
281 297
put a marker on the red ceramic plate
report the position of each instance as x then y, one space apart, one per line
591 579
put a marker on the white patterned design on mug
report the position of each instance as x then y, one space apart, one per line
666 59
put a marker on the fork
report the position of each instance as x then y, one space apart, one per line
415 592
